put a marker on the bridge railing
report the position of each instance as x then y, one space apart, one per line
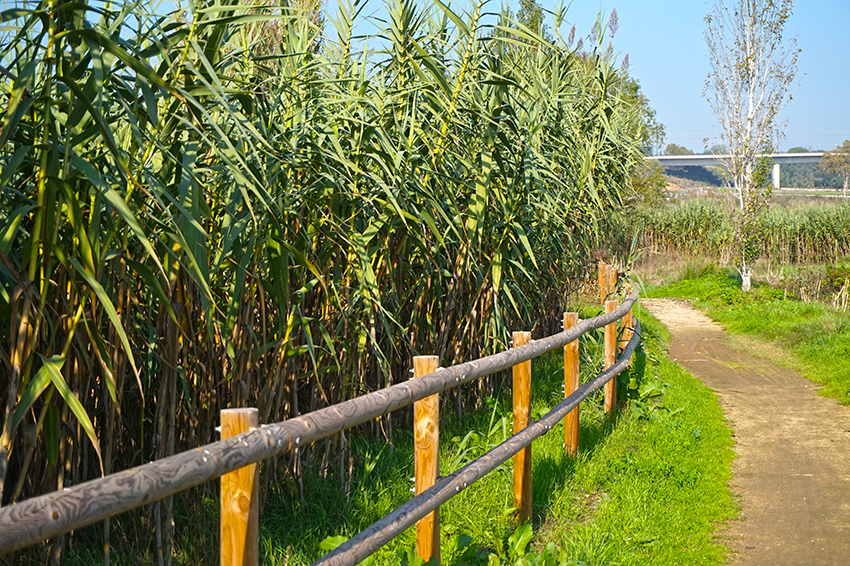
53 514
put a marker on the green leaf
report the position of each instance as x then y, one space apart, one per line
479 204
93 36
497 271
330 543
453 17
53 366
107 305
518 541
13 221
523 238
153 283
13 14
18 106
121 206
36 387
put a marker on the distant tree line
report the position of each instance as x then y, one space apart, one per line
808 175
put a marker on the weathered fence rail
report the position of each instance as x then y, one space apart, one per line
53 514
368 541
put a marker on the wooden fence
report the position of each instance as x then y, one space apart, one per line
244 443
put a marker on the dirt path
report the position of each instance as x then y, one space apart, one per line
792 473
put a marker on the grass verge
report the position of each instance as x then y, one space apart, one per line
810 338
654 490
649 490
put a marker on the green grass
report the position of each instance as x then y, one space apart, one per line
654 489
807 337
649 490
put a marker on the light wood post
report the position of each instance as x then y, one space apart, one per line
612 280
603 280
240 500
426 459
628 330
610 358
522 413
570 385
629 325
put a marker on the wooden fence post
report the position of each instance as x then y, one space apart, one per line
240 500
628 321
603 280
628 330
612 280
426 458
522 413
570 385
610 358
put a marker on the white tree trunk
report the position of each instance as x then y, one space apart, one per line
752 68
746 278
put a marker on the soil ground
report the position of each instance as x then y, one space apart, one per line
792 471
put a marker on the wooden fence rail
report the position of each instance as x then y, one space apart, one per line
368 541
53 514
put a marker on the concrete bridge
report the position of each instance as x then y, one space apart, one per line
712 160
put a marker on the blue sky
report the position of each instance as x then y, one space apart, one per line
667 54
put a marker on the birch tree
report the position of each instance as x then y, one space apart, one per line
752 66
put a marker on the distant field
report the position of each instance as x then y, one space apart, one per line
678 187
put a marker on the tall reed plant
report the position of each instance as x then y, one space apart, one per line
254 204
793 234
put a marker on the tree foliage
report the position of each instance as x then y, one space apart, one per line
718 149
648 182
808 175
652 132
837 162
676 149
531 15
